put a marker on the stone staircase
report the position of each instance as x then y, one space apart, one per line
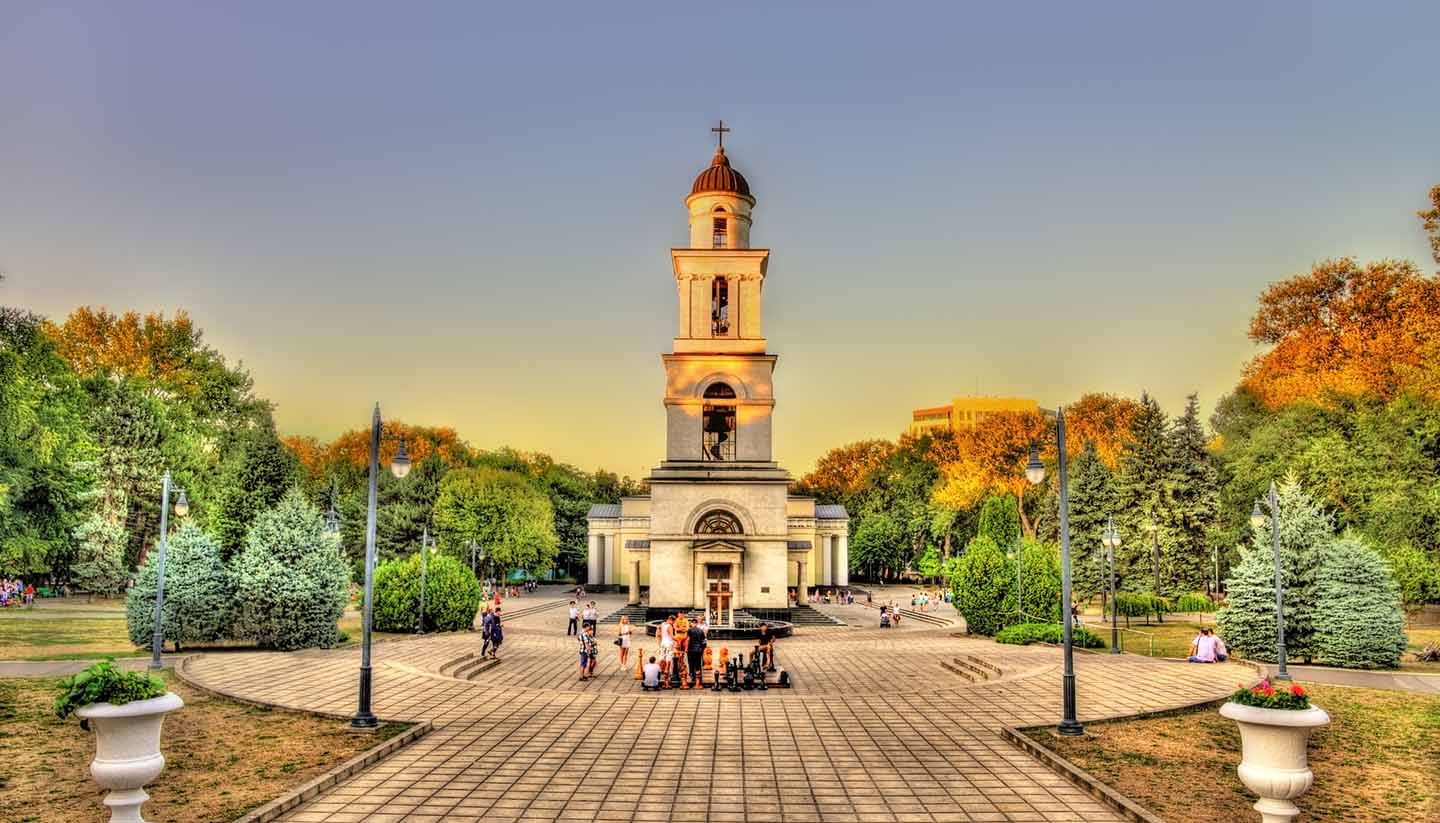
467 666
804 614
635 611
972 668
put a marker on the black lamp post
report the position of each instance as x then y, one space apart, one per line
182 508
1112 542
400 466
1257 519
425 549
332 517
1035 473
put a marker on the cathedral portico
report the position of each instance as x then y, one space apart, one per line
719 530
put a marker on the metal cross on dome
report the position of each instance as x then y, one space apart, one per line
721 131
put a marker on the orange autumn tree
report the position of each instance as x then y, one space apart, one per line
1349 329
991 457
841 471
349 453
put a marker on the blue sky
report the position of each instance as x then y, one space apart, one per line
464 210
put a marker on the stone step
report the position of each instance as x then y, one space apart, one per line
473 667
450 667
984 664
957 670
978 672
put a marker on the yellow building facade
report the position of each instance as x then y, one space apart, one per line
966 412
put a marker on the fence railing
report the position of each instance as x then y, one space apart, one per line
1147 635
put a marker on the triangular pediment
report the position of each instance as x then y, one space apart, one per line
718 544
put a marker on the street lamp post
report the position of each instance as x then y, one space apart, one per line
1035 473
1257 519
1215 562
1112 542
182 508
424 567
400 466
1019 588
1154 528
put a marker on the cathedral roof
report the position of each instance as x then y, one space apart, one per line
721 177
829 512
604 510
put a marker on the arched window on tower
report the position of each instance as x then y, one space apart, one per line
718 232
718 521
720 308
719 423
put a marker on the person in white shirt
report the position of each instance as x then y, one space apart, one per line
1206 648
651 679
574 627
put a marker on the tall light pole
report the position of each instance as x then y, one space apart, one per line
424 568
1215 562
1153 526
182 508
1112 542
400 466
332 517
1035 473
1019 588
1257 519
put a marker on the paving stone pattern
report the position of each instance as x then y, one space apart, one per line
875 730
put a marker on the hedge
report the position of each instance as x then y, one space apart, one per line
1023 634
452 595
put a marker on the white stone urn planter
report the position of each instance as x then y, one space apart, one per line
1273 762
127 750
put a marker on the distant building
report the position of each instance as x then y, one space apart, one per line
966 412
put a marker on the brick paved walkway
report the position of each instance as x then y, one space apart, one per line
875 730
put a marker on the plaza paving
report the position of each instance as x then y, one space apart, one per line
874 730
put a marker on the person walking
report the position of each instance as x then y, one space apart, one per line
497 636
591 616
574 627
625 631
486 622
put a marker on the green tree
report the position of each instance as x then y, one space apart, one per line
46 455
981 586
878 544
1194 505
99 565
503 512
1248 620
257 472
1415 573
1358 622
1000 519
1142 498
199 592
1091 504
452 595
291 581
1040 582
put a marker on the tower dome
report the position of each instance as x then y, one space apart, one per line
721 178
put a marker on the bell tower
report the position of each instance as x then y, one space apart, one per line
719 394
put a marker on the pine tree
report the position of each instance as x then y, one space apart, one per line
1248 620
99 565
982 583
257 473
1358 622
199 592
1000 520
1194 505
291 579
1090 505
1142 498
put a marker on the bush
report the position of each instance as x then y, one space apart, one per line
981 586
1358 622
199 592
999 519
1040 578
1194 603
291 580
452 595
1023 634
103 683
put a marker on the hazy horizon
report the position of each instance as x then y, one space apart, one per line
465 213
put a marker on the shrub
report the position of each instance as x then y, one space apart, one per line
1194 603
1247 621
1358 622
981 585
199 592
103 683
1023 634
452 595
1040 579
999 519
291 580
1265 696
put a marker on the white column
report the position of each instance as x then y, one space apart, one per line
823 563
593 575
634 582
842 560
802 591
607 550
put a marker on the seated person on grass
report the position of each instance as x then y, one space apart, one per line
1207 648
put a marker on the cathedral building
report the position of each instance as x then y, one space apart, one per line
719 529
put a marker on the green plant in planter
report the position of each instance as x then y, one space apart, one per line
1264 695
103 683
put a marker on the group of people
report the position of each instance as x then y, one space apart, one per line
929 601
491 633
683 644
840 597
1207 647
580 617
16 592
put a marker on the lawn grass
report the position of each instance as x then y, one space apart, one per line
1378 762
222 758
